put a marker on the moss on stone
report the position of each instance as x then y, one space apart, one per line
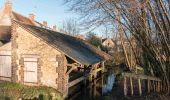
14 91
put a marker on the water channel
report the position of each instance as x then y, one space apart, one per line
94 91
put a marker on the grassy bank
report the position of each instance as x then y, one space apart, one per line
14 91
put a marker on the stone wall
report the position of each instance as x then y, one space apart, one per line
51 62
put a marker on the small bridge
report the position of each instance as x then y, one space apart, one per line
153 83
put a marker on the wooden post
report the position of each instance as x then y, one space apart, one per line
125 87
102 83
95 71
140 88
161 89
131 85
91 90
66 86
156 86
90 77
85 81
153 86
159 83
103 67
94 89
148 86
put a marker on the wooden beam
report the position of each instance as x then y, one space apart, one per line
99 69
76 81
70 70
73 66
103 67
138 76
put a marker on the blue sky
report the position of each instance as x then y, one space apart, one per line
53 11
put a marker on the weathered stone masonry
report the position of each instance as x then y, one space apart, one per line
39 55
24 43
14 56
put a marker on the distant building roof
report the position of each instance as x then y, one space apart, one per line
21 18
5 24
108 42
6 15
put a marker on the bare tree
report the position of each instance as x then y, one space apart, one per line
70 27
146 20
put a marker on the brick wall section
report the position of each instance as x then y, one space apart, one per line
39 71
62 77
48 73
14 57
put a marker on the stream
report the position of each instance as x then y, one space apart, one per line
96 90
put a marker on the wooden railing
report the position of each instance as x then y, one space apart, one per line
153 82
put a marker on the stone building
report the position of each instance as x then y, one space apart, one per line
33 54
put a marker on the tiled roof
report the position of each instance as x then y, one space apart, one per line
73 47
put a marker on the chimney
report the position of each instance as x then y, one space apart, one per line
54 28
8 7
31 16
45 23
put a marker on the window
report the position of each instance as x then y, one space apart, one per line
5 66
30 70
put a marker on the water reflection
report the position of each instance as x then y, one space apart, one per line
95 90
108 85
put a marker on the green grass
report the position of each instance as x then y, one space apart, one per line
13 91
